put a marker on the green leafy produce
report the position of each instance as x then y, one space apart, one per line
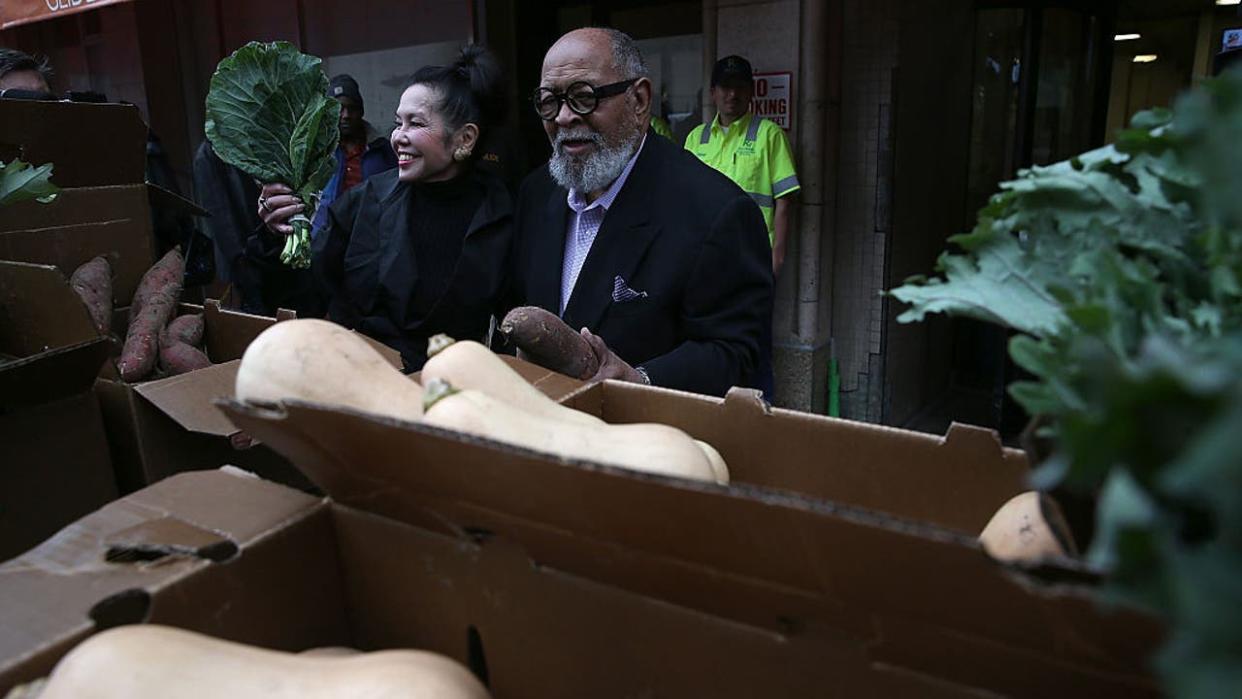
20 181
269 115
1122 271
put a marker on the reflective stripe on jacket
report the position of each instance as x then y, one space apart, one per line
754 153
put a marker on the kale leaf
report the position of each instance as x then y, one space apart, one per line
1120 269
269 115
21 182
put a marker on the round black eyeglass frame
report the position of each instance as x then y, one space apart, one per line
582 98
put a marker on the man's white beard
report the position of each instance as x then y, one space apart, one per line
595 171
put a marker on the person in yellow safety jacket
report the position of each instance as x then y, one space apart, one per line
751 150
661 127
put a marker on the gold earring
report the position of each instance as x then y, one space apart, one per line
461 154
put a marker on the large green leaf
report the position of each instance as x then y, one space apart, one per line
1121 269
1000 284
269 115
21 182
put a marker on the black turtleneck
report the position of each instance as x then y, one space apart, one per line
439 218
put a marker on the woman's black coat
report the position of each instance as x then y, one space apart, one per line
365 268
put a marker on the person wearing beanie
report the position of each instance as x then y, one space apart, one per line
362 152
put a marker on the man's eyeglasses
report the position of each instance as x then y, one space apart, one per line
581 97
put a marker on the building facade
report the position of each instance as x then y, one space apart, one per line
904 116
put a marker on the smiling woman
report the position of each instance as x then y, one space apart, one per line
426 150
421 249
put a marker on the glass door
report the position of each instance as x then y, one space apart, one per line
1039 72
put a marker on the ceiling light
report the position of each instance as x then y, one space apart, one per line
1145 58
1228 2
1127 37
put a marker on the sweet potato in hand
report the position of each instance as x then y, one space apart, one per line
543 338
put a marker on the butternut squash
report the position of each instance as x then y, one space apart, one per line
29 690
148 661
1027 528
321 362
719 469
647 447
330 651
469 365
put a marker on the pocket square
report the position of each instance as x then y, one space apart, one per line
621 292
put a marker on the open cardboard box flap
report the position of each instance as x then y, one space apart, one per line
188 398
240 329
80 224
46 326
168 425
124 241
762 557
39 311
41 132
54 465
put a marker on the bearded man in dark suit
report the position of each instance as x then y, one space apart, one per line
662 261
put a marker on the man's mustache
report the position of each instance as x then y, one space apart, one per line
577 135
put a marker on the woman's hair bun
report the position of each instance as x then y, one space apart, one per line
472 88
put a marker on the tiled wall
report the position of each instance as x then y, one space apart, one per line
862 227
855 242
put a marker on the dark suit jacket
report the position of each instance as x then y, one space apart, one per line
682 234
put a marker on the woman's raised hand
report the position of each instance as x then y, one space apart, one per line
278 204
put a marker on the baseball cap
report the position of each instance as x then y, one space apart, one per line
345 86
731 68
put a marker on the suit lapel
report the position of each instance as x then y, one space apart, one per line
548 254
619 247
617 252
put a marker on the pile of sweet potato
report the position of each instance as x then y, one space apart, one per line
157 342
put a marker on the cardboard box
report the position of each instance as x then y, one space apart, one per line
248 560
55 466
165 426
80 225
157 428
863 536
104 207
957 481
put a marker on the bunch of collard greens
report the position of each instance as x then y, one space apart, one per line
20 181
268 114
1122 270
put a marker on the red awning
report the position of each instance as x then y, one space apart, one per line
17 12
